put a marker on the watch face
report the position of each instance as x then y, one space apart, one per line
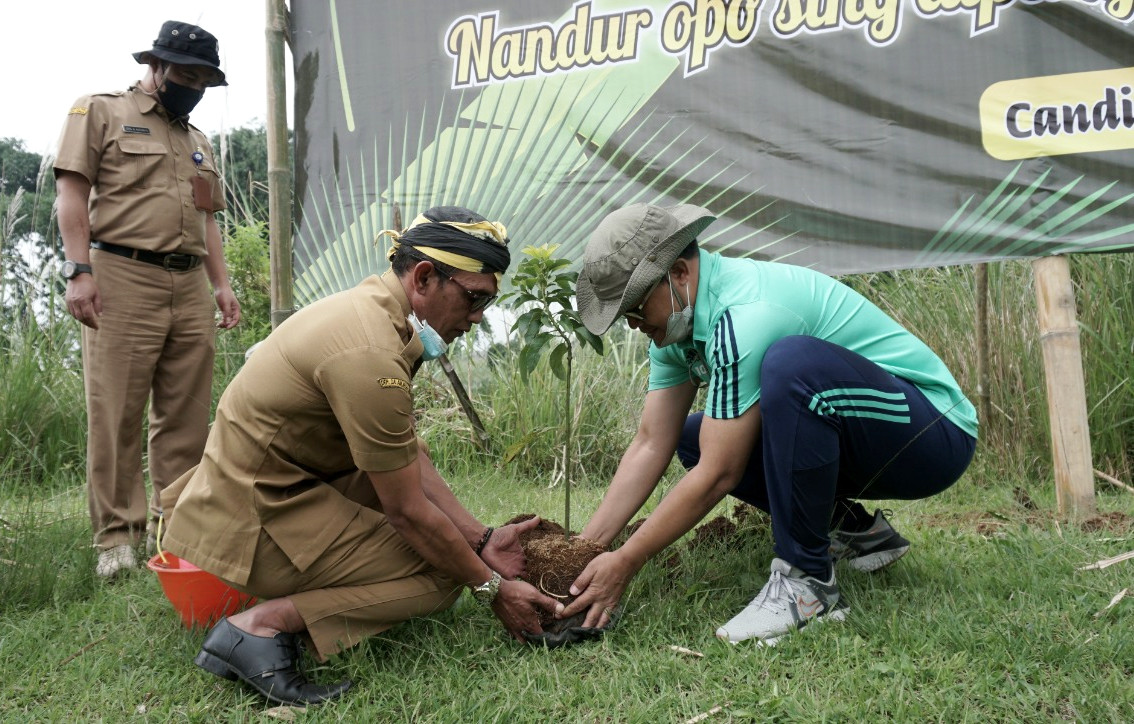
71 269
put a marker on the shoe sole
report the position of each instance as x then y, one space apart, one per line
216 665
875 561
839 614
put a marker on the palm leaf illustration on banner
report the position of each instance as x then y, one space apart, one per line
1013 220
518 152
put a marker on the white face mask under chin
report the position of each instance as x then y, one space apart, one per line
679 326
432 343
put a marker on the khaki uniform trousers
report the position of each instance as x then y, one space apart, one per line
155 342
368 579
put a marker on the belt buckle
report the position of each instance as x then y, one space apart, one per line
181 263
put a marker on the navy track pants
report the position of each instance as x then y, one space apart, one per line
835 428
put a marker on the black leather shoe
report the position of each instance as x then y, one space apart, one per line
269 665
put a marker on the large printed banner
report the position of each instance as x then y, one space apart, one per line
845 135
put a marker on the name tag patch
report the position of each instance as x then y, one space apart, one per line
394 382
134 129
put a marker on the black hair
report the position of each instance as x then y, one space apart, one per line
406 258
689 251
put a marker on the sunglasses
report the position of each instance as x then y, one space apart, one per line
478 301
636 313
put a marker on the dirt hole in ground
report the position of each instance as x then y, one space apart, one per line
1112 522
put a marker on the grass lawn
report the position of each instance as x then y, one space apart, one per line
988 618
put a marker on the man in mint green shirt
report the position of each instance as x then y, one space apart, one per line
815 398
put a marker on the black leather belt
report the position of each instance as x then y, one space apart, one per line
170 261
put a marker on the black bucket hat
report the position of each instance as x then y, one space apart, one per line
185 44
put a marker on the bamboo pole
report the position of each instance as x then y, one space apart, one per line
1066 392
279 167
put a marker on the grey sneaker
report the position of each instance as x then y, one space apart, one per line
790 600
113 561
876 547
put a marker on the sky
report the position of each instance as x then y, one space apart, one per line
54 51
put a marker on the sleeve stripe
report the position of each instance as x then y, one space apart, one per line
728 380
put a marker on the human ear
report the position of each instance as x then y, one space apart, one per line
679 272
422 272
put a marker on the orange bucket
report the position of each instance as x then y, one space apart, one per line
201 599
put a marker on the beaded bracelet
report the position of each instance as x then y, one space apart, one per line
484 539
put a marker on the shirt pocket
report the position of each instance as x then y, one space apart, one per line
142 163
215 199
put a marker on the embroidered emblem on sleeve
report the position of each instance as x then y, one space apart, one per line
78 111
394 382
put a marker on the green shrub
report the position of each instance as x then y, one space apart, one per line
42 410
249 271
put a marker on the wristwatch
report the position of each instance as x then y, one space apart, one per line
71 269
486 592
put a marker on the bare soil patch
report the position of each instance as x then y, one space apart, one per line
1113 522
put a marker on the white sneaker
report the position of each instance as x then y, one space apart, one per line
113 560
790 600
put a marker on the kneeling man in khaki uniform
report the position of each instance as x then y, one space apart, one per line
314 491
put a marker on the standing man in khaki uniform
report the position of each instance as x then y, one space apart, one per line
314 490
137 190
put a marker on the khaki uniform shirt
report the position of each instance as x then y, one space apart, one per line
141 168
325 395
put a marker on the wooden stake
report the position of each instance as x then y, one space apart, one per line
279 168
1066 392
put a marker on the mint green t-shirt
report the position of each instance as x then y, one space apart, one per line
743 306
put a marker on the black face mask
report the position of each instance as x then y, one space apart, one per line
178 99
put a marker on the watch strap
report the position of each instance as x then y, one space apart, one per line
486 592
72 269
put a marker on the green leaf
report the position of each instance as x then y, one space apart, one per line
529 358
525 321
535 337
556 360
586 337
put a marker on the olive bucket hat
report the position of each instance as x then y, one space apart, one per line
185 44
632 249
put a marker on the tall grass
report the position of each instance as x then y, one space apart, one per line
42 413
938 305
42 416
525 418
